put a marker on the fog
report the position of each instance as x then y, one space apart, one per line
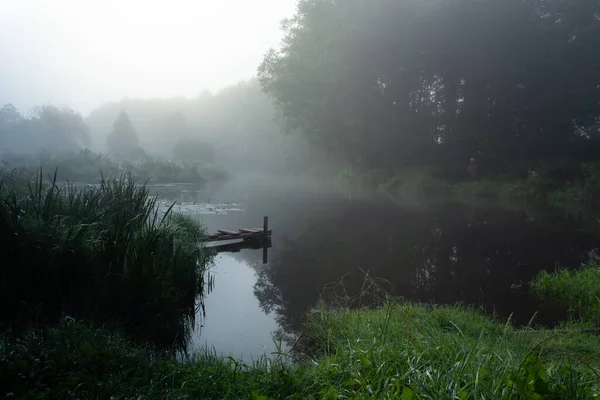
82 53
380 88
451 148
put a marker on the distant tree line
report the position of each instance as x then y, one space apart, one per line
45 128
234 127
388 84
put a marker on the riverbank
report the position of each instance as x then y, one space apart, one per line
399 350
572 188
87 166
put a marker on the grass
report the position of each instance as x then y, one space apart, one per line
102 254
400 350
410 351
574 291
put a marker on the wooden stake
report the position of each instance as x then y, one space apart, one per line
265 238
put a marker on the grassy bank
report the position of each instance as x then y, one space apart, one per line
87 166
399 350
573 188
103 254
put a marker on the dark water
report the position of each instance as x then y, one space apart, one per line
443 253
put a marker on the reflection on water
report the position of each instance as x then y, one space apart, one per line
444 253
235 325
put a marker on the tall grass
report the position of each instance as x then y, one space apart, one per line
102 254
575 291
400 351
409 351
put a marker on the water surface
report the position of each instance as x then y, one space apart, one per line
442 253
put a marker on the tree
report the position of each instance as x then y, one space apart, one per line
123 140
9 115
61 128
393 83
46 128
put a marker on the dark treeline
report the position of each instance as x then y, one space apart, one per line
388 84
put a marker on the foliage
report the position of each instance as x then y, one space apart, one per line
47 127
87 166
576 291
163 171
103 253
389 84
397 351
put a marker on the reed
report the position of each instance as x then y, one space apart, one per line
102 254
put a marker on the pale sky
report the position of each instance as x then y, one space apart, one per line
82 53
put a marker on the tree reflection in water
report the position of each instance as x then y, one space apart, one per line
446 254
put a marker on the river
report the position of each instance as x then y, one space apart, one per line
441 253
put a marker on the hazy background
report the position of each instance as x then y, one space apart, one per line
83 53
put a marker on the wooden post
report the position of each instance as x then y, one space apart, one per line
266 227
265 238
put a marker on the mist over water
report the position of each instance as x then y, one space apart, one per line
443 253
448 149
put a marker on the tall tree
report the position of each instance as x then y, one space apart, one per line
393 83
123 140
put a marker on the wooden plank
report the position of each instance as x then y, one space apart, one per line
226 232
235 247
251 230
237 235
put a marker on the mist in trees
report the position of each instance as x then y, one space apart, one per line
43 128
123 141
235 127
466 87
389 84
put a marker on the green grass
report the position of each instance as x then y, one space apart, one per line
447 352
102 254
574 291
399 351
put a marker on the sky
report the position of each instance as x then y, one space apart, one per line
82 53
